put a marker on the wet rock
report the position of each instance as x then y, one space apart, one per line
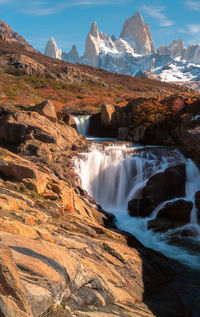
160 187
185 232
138 134
140 207
172 215
64 255
97 130
179 210
197 203
123 134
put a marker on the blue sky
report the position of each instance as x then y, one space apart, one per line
69 21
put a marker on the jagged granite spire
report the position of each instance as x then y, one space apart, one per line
72 56
138 35
94 29
174 49
52 49
92 47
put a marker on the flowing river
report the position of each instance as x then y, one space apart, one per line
114 173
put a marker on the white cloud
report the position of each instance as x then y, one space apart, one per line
192 29
41 8
193 5
157 13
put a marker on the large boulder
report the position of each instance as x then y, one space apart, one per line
172 215
159 188
23 128
46 108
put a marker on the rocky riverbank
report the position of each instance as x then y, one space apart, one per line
59 253
173 120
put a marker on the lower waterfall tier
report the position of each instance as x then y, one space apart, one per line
117 174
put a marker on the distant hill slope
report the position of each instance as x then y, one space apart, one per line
28 77
8 34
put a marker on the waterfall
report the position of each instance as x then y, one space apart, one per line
115 174
82 124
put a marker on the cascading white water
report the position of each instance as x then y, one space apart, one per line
115 174
82 124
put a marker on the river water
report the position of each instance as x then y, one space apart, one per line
114 173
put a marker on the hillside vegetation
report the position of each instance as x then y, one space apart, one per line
27 78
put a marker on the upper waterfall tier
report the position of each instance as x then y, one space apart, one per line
82 124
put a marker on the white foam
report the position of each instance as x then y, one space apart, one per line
115 174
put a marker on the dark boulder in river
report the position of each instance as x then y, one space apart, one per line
160 187
172 215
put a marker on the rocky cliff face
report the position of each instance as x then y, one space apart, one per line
137 34
93 45
177 49
52 50
104 51
134 53
135 39
72 56
173 50
193 54
9 35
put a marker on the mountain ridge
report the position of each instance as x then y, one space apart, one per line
81 88
7 34
134 53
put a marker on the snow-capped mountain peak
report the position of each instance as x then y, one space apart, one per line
134 53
